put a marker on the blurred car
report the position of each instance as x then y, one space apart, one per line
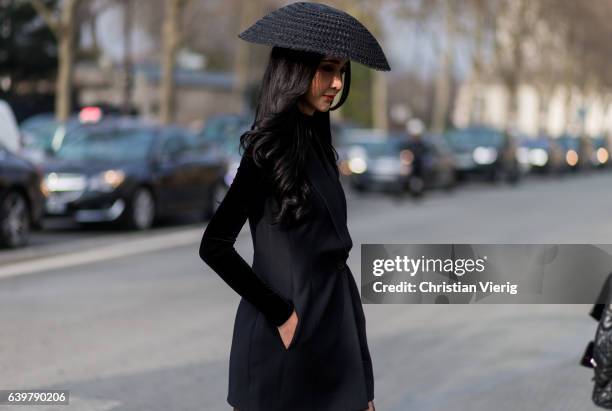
375 160
485 152
601 151
126 171
542 154
42 135
221 134
21 198
379 163
347 139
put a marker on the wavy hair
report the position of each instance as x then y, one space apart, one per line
277 140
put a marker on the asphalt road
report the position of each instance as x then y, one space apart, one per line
133 321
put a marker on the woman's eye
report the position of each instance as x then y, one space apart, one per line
331 69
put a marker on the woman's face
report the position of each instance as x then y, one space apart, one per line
325 85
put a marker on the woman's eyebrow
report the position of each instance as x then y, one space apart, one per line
334 61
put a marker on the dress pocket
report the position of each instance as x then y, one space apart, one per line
295 333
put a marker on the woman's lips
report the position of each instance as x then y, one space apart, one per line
330 98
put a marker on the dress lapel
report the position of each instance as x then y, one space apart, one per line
326 184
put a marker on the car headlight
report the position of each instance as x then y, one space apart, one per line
522 155
602 155
571 157
538 157
55 182
485 155
357 165
106 181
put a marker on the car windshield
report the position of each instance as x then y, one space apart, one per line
535 143
380 148
40 134
568 142
124 145
474 137
219 129
224 132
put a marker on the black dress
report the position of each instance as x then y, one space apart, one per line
327 365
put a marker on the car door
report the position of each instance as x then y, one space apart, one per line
174 177
206 169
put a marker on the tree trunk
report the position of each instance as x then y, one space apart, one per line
127 55
378 85
241 61
445 71
66 32
379 101
170 47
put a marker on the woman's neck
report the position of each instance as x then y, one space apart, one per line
305 109
306 119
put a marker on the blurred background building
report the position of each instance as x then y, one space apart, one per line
528 66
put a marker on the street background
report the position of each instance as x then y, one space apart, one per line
133 320
151 330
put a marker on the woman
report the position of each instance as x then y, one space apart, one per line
299 339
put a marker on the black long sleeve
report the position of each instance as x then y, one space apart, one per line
217 246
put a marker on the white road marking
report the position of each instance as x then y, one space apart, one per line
103 253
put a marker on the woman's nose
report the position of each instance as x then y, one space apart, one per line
337 83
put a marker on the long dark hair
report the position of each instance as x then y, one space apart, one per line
277 141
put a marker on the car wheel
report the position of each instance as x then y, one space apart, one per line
14 220
141 212
217 194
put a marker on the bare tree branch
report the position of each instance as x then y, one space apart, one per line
47 15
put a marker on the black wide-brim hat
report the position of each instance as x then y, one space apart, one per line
321 29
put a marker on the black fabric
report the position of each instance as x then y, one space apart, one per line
217 247
602 299
327 365
318 28
599 352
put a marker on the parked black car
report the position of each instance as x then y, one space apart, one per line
21 199
375 161
485 152
376 164
123 170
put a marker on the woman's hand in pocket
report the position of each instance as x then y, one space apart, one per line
287 330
